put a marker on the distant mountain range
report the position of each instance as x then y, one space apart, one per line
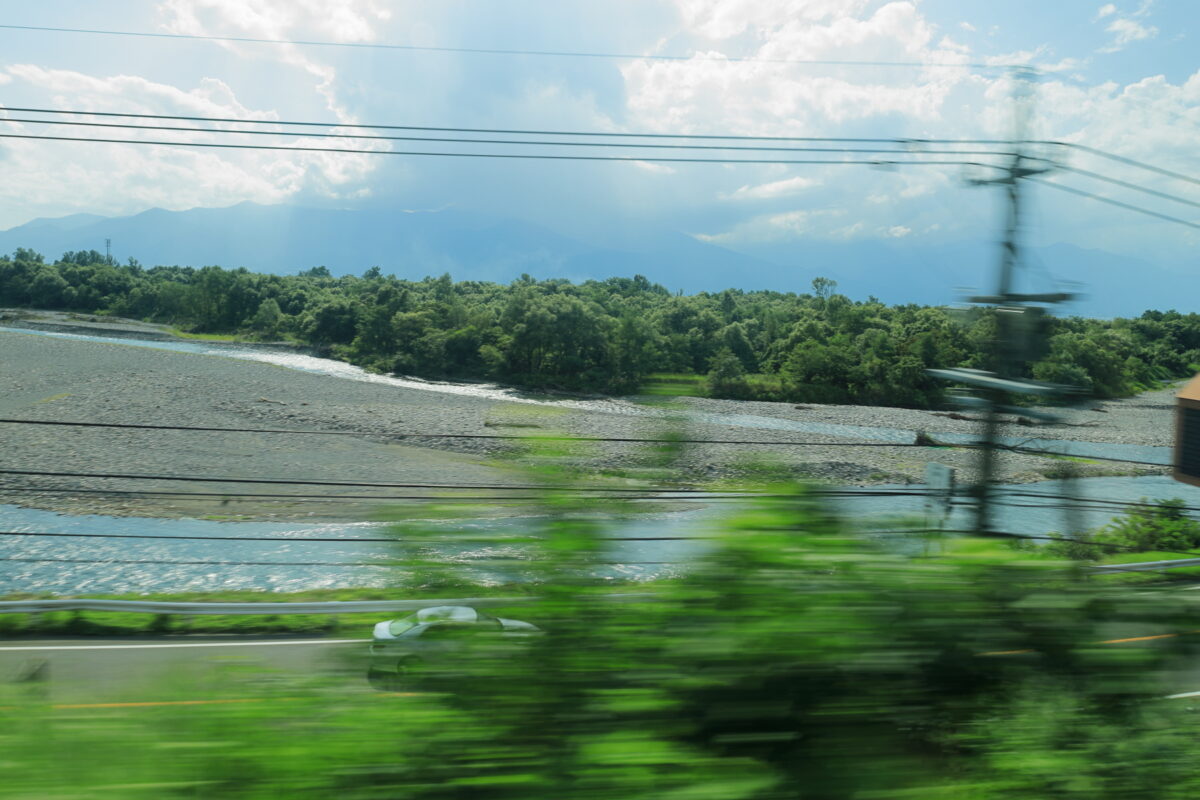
470 246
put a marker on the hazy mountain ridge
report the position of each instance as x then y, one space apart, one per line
471 246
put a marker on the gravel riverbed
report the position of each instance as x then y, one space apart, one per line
62 379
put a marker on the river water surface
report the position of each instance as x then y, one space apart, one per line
77 565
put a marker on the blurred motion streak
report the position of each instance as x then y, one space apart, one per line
795 657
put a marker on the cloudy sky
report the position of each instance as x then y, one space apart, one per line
1122 77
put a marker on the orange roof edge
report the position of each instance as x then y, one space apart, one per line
1190 390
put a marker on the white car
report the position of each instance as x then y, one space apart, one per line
403 648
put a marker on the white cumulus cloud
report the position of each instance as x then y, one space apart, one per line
116 179
1127 30
765 96
336 20
781 188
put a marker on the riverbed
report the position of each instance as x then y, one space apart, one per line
387 454
89 374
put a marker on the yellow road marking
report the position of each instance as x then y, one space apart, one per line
1140 638
1106 641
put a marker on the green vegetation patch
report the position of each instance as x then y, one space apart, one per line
620 335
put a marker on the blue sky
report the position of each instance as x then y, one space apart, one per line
1119 76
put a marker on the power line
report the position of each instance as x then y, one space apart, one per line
391 563
1116 203
359 484
163 563
1128 185
513 52
457 140
1093 500
1035 452
1099 505
537 156
469 436
334 539
394 562
184 495
1125 160
1095 503
650 495
515 131
553 438
916 142
900 141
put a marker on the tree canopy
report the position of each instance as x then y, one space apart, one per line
611 335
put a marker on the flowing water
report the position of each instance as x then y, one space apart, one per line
76 565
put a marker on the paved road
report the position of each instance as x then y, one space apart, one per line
204 669
139 670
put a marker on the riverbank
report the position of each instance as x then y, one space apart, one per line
67 379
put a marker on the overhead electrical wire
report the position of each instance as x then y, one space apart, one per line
515 52
1111 546
514 131
336 539
534 156
515 499
390 563
355 484
552 438
1127 185
777 148
162 562
906 157
1111 202
1127 161
279 496
650 494
470 436
915 147
916 142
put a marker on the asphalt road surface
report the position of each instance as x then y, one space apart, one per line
81 671
201 670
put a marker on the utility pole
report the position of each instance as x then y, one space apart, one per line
1013 314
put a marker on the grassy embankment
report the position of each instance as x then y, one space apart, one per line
119 623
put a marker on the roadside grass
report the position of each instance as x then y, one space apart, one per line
135 624
1163 576
228 732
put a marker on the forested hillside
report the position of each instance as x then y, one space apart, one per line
608 336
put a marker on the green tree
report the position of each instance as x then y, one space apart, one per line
268 318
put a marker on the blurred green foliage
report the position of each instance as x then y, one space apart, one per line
795 659
612 335
1155 525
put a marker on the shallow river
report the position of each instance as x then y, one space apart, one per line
68 565
88 565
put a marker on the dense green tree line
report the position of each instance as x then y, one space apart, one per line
610 335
